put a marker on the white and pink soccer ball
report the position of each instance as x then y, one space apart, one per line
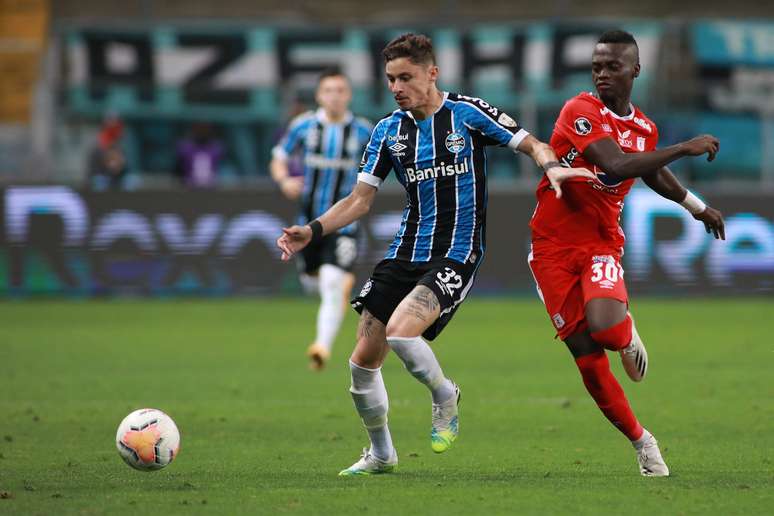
148 439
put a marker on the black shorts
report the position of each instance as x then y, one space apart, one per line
392 280
335 249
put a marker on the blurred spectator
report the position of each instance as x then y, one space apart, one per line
107 161
198 157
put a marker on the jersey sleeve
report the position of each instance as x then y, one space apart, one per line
291 139
490 121
376 162
580 123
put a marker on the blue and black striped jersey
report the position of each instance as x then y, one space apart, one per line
329 155
441 161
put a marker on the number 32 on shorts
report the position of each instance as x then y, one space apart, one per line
448 281
606 271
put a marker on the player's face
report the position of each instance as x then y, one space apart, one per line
613 69
334 95
411 84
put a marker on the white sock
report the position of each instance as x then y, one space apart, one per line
331 311
310 284
370 397
639 443
420 361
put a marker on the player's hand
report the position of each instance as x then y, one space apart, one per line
557 175
293 239
291 187
713 222
706 143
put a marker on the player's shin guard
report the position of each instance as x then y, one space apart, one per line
616 337
370 397
330 314
607 392
420 361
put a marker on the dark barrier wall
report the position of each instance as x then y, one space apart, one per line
62 241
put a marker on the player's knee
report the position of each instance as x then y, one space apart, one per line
615 337
332 278
603 313
397 327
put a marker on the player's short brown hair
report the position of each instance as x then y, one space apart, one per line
418 48
331 71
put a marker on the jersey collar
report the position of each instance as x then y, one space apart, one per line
607 111
445 96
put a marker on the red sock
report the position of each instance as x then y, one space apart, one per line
616 337
607 392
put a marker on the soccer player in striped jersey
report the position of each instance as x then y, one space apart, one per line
331 141
435 145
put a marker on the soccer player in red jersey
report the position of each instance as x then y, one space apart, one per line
577 242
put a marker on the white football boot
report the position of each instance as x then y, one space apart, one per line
370 465
634 357
650 460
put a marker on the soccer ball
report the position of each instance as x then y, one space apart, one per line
148 439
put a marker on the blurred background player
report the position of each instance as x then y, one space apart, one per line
577 243
331 141
435 142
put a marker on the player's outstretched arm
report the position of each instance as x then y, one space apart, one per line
607 155
664 183
290 186
341 214
546 159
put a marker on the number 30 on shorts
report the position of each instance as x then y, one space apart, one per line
606 269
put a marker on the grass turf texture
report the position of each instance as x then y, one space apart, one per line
263 434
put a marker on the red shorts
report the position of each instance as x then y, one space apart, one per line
568 277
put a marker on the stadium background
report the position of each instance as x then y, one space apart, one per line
247 67
152 294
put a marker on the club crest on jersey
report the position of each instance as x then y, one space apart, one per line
455 142
506 120
640 143
582 126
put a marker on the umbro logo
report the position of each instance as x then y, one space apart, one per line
397 147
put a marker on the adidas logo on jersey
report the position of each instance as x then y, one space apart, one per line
442 170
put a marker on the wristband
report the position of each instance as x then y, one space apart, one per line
551 164
317 230
693 204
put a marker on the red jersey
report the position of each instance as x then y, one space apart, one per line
589 210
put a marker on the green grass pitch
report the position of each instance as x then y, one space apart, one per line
261 434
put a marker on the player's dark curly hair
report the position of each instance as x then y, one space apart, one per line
617 36
418 48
